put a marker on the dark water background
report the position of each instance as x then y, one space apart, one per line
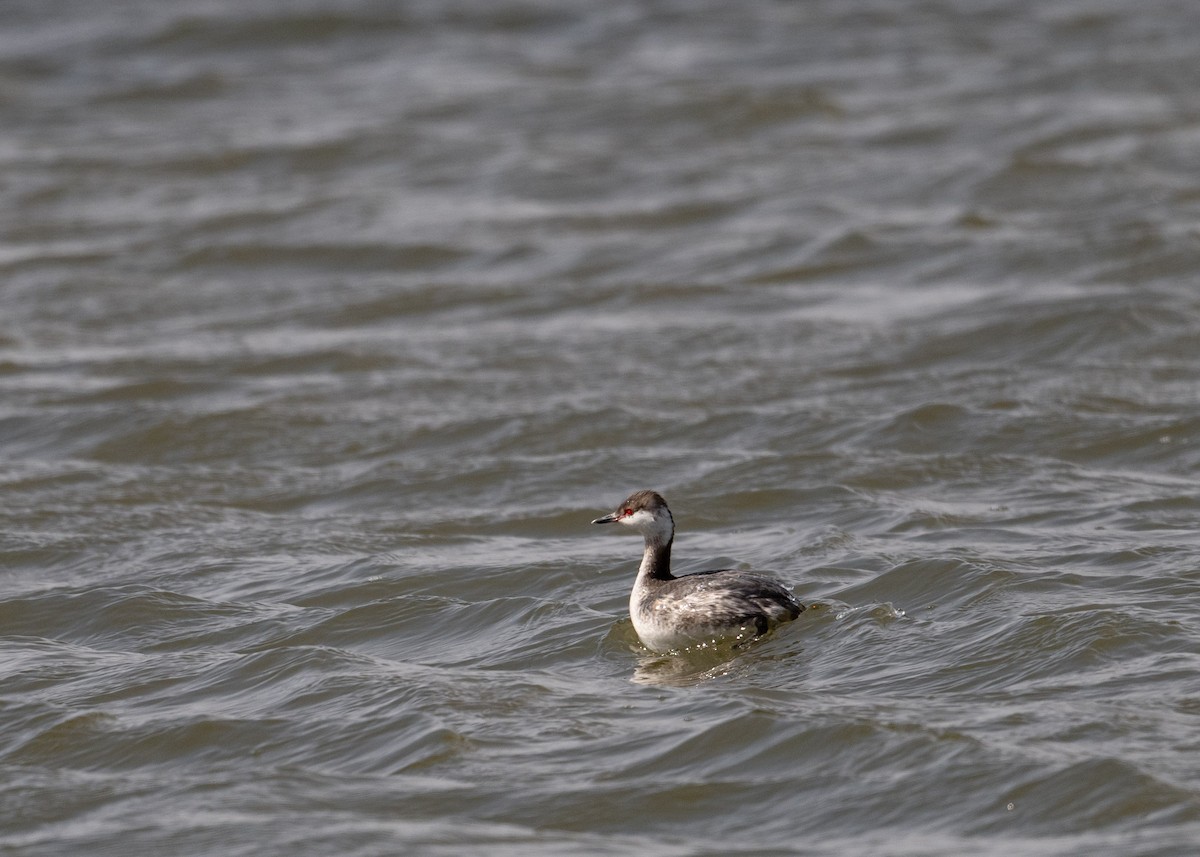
326 327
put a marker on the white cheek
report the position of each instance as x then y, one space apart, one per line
641 518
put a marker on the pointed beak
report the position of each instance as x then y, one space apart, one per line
607 519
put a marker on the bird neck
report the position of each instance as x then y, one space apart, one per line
656 560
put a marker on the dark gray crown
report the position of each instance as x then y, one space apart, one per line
649 500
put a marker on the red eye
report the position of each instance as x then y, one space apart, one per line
627 513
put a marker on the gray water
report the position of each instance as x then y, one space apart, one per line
327 327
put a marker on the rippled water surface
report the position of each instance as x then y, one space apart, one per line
326 327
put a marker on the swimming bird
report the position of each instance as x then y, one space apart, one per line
670 612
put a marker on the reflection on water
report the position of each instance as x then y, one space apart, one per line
683 669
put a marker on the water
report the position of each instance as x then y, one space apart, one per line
327 327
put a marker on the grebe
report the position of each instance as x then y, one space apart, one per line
670 612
